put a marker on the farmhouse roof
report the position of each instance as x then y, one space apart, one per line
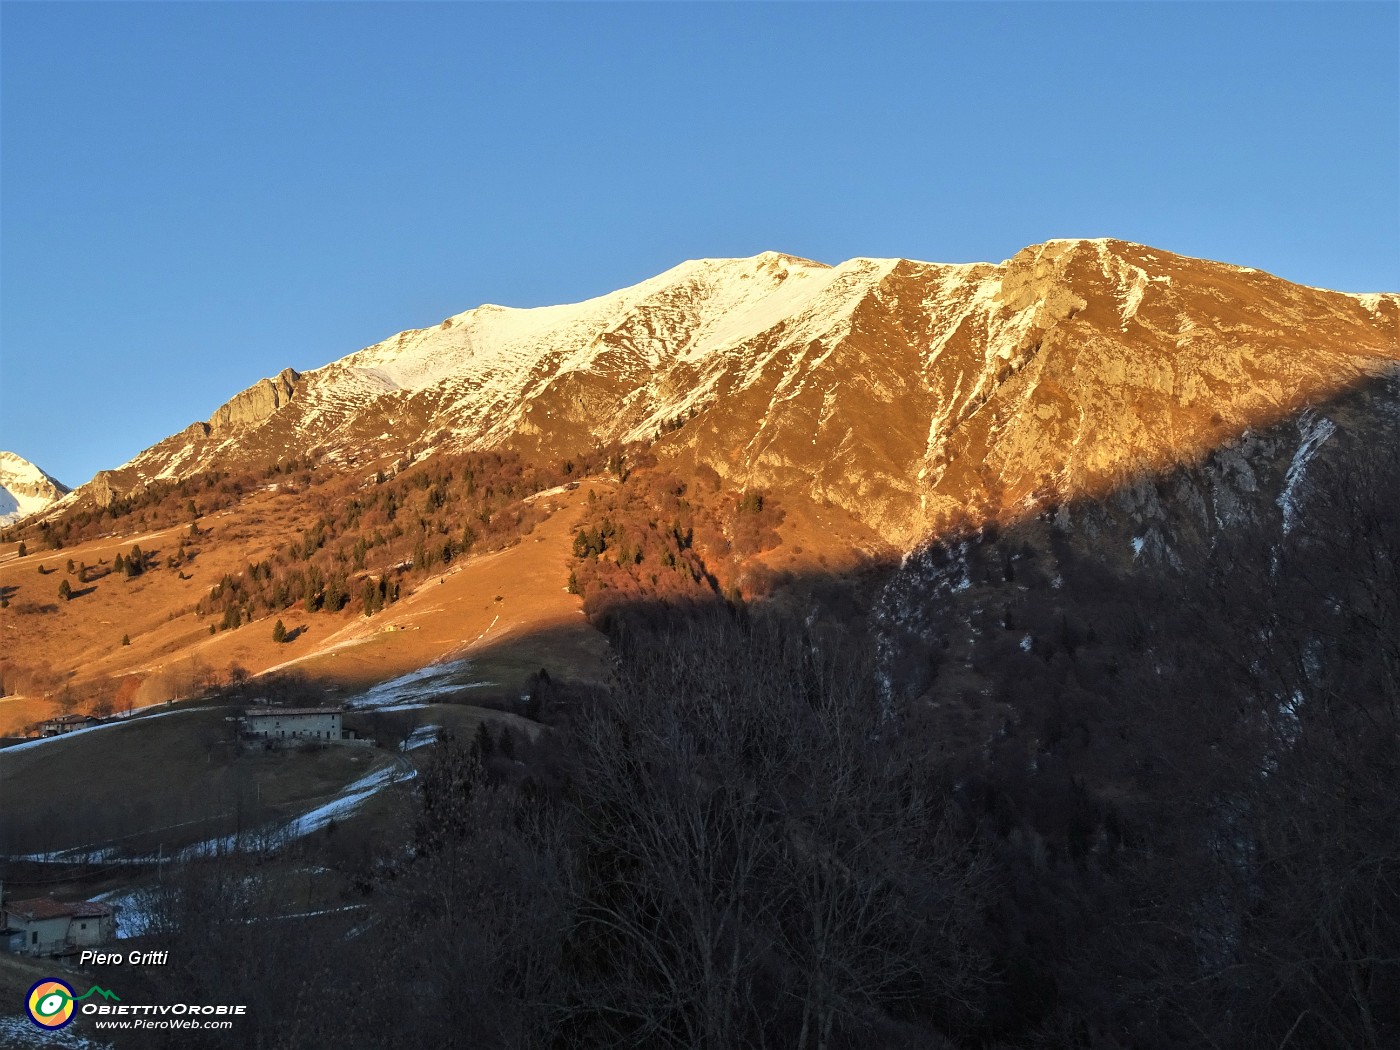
269 712
48 908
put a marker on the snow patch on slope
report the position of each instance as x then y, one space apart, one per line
1131 280
416 688
348 801
1314 430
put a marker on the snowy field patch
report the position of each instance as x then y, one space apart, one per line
120 720
420 737
415 688
348 801
20 1031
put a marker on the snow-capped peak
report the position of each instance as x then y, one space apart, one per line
894 389
24 489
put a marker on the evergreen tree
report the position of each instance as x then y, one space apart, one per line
65 591
126 639
279 632
483 743
23 551
337 592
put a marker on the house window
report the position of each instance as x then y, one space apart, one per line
34 937
84 925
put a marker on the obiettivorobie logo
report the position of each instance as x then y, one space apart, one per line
50 1002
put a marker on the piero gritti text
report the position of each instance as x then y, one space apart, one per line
133 958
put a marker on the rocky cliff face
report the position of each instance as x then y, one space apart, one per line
906 393
257 403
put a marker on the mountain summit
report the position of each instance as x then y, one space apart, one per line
906 393
25 489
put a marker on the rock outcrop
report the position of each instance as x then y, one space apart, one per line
259 401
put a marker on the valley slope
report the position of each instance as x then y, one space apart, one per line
874 405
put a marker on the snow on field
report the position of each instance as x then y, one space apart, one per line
20 1031
558 490
134 918
270 839
116 721
348 801
262 840
309 914
415 688
419 737
76 855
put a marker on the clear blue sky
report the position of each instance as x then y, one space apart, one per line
197 195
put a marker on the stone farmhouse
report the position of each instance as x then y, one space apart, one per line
66 724
44 926
295 724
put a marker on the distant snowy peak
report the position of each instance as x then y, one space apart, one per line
25 489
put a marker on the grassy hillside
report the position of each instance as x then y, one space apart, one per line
129 640
158 782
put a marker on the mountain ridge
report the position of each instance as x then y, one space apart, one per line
904 392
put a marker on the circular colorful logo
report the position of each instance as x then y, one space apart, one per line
50 1003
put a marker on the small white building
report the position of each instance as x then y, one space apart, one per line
294 723
44 926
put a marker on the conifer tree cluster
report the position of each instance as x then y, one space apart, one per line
658 537
372 540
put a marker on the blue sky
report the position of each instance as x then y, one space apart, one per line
197 195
